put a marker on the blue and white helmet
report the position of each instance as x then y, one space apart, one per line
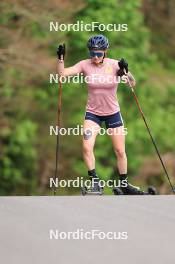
98 42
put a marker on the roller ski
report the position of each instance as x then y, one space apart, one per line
95 188
91 191
133 190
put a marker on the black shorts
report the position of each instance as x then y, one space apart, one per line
111 121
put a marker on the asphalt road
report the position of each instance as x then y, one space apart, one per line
25 224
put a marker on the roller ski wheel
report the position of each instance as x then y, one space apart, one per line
152 190
83 191
91 191
117 191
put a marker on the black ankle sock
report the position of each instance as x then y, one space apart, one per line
123 177
92 173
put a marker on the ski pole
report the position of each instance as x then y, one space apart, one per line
149 131
58 134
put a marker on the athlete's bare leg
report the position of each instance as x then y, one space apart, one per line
91 130
118 141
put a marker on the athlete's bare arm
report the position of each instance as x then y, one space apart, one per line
69 71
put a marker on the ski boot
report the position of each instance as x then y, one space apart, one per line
133 190
95 188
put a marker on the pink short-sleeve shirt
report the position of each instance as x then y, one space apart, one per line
102 86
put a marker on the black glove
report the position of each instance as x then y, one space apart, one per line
61 51
123 65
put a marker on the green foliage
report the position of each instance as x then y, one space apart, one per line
35 29
7 14
18 163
